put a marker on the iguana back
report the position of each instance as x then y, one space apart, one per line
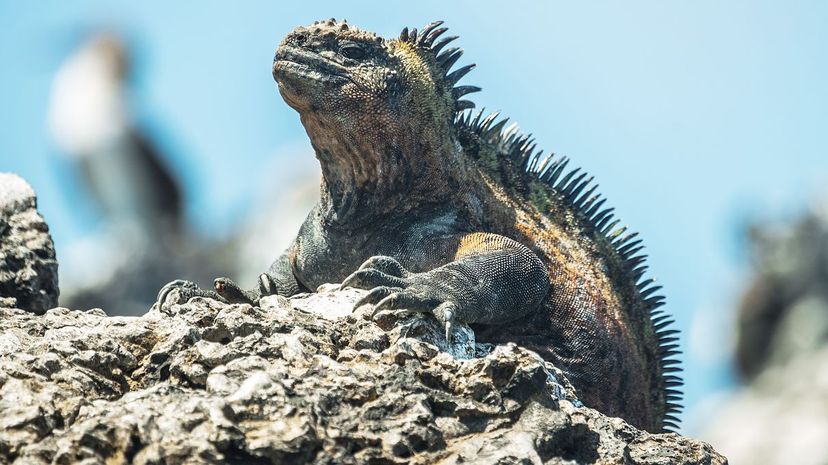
603 320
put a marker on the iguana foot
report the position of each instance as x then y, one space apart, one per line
225 290
181 291
234 294
396 290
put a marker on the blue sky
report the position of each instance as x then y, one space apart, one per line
693 116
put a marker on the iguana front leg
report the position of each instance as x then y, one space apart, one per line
492 279
278 279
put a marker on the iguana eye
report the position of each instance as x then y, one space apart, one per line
352 51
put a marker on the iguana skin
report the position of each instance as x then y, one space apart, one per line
436 210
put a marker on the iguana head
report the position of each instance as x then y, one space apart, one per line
376 110
335 69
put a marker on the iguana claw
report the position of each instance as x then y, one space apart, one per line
369 278
186 291
396 290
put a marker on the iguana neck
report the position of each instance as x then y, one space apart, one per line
382 170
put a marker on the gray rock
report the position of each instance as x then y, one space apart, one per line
780 415
28 268
780 418
288 383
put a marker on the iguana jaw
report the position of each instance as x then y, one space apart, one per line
297 72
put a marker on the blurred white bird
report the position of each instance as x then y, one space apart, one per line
89 118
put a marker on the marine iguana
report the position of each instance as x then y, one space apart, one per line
437 209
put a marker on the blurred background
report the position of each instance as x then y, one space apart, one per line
158 145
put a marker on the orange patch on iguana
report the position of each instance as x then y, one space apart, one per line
576 260
479 242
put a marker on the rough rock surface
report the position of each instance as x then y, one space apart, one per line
28 268
293 381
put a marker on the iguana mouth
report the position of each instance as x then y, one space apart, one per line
291 62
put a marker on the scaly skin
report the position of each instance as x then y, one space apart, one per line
434 211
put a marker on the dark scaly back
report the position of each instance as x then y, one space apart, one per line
511 159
